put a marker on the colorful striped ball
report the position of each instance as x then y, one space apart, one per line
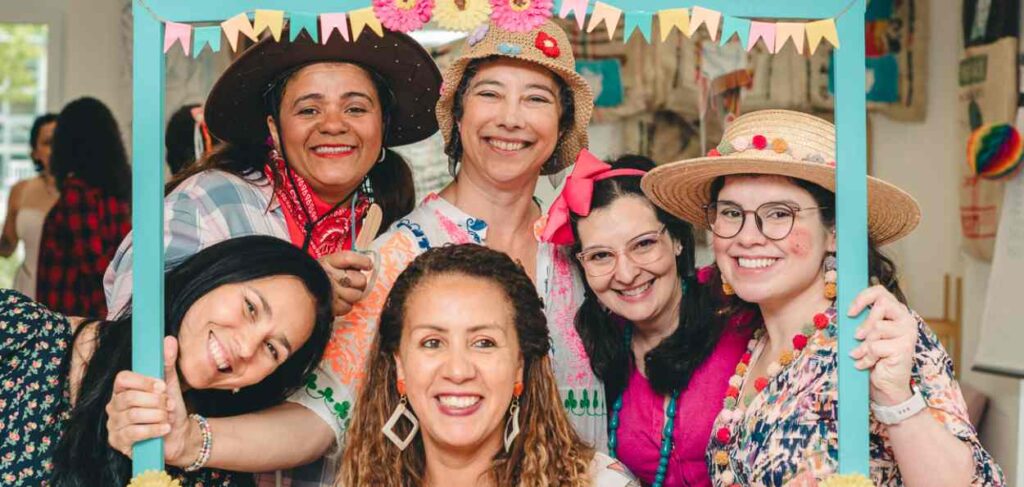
995 151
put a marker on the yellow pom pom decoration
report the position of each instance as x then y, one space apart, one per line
830 290
786 358
851 480
154 478
721 458
741 368
779 146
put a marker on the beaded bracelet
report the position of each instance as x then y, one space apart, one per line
206 448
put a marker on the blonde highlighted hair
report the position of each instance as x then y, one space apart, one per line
548 452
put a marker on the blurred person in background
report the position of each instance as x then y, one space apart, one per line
28 203
92 215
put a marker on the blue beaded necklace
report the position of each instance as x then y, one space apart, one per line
666 432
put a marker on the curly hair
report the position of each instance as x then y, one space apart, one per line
548 451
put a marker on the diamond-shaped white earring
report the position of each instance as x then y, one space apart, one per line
389 427
512 427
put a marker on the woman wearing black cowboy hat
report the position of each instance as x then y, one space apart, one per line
306 128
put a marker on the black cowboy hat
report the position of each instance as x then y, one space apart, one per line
236 110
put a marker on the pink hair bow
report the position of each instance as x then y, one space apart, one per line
577 194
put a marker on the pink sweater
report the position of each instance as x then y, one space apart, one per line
642 417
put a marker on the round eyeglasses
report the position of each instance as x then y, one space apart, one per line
774 219
643 249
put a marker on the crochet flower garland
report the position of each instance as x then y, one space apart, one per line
520 15
403 15
461 15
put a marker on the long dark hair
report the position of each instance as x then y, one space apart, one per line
880 267
87 145
671 363
33 135
82 456
179 140
548 452
390 179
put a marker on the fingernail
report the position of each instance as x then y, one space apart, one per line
159 386
165 429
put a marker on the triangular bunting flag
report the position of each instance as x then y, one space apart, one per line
638 20
269 19
678 18
822 29
330 22
174 31
206 36
764 31
789 30
234 25
607 14
363 18
578 9
708 17
300 21
735 26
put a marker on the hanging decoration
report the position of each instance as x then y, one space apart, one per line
513 15
403 15
461 15
520 15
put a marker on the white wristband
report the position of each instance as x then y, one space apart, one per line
901 412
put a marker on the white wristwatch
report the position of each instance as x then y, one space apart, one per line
900 412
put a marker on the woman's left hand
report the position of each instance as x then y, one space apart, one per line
889 336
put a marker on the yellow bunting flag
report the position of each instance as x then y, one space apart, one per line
270 19
234 25
363 18
678 18
822 29
708 17
789 30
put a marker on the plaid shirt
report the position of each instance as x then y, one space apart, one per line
207 208
78 237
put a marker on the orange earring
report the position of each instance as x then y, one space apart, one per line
401 387
517 390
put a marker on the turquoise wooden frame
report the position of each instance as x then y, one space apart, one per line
147 179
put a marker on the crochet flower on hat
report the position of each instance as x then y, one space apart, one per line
461 15
547 44
478 34
509 49
403 15
520 15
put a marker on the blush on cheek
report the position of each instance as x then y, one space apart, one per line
798 243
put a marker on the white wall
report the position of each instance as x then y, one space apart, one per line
924 159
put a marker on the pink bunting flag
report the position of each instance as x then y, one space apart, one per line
578 8
182 33
330 22
764 31
236 24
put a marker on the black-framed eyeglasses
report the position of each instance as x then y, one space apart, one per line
642 249
774 219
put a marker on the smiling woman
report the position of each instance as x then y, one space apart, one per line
461 365
246 320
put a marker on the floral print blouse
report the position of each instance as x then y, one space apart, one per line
788 432
34 397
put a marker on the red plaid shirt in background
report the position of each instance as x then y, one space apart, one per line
80 235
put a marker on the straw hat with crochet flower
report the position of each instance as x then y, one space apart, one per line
546 45
776 142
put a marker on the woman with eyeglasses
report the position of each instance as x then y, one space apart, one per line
663 360
767 193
